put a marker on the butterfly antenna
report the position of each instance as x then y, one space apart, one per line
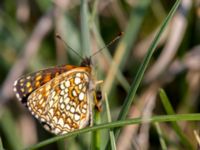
110 43
60 38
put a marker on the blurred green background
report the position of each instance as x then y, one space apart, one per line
28 43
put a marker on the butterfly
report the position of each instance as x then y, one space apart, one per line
62 98
59 97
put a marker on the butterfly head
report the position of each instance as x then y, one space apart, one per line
86 62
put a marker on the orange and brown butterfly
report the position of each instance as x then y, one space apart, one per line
62 97
59 97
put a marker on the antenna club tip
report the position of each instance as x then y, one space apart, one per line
58 36
120 33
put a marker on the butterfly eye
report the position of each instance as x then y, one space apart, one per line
98 95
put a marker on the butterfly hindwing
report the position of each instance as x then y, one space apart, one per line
62 104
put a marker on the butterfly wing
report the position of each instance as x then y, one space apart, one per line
25 85
62 104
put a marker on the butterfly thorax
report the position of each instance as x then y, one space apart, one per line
86 62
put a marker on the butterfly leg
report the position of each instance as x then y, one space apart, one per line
98 100
98 96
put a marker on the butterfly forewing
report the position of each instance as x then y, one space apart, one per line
27 84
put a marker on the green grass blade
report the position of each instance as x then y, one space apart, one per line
161 139
85 36
166 102
161 118
112 136
170 111
7 124
96 135
143 66
1 144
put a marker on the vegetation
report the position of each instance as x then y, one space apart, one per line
151 88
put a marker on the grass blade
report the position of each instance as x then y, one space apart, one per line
85 36
175 126
7 124
112 136
96 135
115 124
143 66
197 136
1 144
161 139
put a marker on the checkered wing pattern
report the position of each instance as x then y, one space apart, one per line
25 85
62 104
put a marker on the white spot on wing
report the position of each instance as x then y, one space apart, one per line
14 89
86 77
67 107
64 132
39 96
50 103
77 80
65 96
72 109
74 93
81 96
51 112
42 119
15 83
56 131
55 119
28 77
66 100
85 106
83 110
61 100
67 126
61 122
76 117
67 83
62 106
62 86
17 95
62 92
78 74
80 86
66 90
53 94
